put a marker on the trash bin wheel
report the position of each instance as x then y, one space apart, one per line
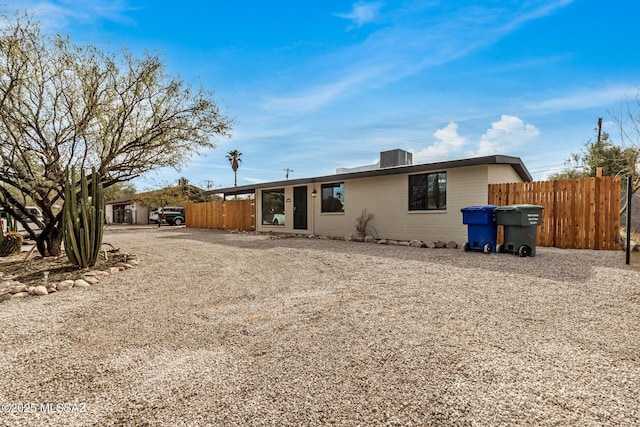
465 247
499 248
524 251
487 248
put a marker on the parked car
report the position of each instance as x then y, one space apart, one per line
172 215
32 210
278 219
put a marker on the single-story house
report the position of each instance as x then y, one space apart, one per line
421 201
126 210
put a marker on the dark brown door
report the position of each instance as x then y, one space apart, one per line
300 208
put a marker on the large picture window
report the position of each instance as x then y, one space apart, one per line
273 207
428 191
333 197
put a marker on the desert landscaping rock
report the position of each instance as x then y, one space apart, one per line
65 285
20 295
81 283
124 265
40 290
90 279
246 330
17 288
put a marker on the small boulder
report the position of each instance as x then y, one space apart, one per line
452 245
382 241
114 270
404 243
92 280
80 283
415 243
392 242
430 245
65 285
100 274
441 244
20 295
369 239
40 290
124 265
18 288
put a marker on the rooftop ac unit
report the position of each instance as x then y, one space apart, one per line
395 158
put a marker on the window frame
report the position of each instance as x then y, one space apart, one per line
279 191
428 196
331 207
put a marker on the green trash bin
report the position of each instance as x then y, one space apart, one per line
520 224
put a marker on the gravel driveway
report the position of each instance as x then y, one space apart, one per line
220 329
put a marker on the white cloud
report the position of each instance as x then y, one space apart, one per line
56 15
585 98
506 134
362 13
448 142
319 96
402 48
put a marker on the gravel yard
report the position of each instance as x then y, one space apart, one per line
222 329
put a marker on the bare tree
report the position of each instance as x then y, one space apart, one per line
64 105
628 124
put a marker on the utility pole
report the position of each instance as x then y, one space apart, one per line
287 170
209 184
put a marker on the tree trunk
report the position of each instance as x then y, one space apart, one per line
49 243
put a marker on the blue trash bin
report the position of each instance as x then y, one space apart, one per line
481 228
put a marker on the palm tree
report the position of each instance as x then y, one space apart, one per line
235 160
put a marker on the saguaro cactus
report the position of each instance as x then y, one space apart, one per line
83 219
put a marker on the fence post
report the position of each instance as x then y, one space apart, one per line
628 222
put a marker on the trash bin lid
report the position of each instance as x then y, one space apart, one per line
478 208
522 207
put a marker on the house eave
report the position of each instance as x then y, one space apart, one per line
496 159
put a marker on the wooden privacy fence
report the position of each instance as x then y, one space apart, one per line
578 213
223 215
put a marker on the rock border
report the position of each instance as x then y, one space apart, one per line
440 244
11 288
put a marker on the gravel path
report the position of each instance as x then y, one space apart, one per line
221 329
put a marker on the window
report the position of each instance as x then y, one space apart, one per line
273 207
333 197
428 191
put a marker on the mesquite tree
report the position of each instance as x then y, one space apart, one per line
63 105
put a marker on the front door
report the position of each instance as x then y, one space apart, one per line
300 208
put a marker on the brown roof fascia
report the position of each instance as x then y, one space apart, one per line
497 159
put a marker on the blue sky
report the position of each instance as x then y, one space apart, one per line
314 86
